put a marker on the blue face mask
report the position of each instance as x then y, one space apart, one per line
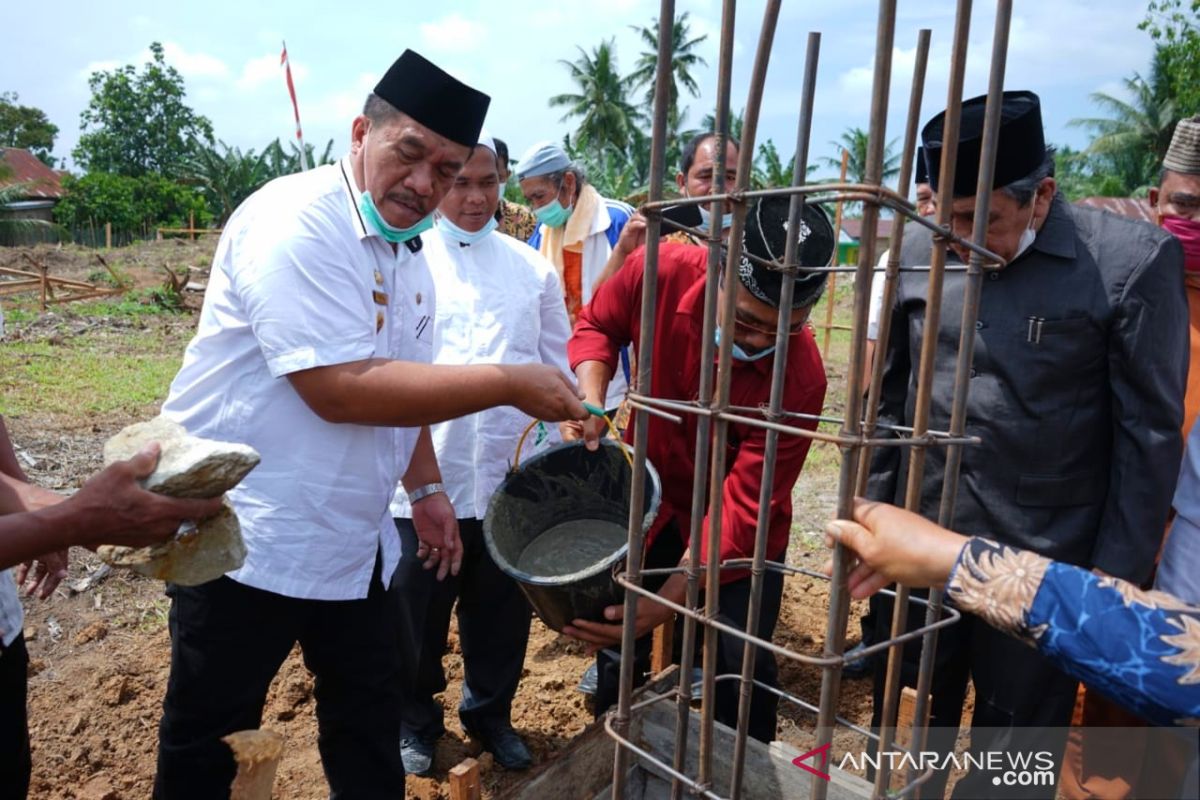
389 232
739 353
466 237
706 219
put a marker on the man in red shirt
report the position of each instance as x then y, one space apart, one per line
612 320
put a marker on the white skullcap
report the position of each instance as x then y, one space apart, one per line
543 158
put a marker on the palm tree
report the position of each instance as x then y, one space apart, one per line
225 179
1132 141
601 104
683 60
855 141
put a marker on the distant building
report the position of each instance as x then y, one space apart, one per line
42 191
850 239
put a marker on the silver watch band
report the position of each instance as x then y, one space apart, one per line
420 493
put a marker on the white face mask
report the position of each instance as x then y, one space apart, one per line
1027 235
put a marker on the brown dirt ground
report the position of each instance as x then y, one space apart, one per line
100 658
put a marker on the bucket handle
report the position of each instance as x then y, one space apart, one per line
595 411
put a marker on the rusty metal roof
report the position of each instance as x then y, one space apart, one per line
1132 207
21 166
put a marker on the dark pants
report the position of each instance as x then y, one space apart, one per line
228 641
1017 694
734 606
15 763
493 630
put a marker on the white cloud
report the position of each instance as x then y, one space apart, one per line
193 65
452 34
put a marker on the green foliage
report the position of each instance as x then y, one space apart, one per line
1129 143
1081 174
855 140
606 118
134 206
26 127
1175 26
137 122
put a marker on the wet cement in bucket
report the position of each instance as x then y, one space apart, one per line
570 547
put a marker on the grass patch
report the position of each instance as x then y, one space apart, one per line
94 374
142 303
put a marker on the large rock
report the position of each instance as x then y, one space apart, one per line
199 555
188 466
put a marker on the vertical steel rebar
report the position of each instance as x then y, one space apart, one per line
666 20
911 133
778 375
683 700
720 402
839 598
920 422
966 347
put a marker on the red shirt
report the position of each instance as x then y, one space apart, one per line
612 319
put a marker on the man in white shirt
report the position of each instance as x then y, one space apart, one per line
314 347
36 528
499 302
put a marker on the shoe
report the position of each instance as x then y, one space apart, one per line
861 668
417 756
505 745
589 682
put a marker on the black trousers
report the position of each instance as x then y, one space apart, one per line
734 598
1022 702
227 642
493 631
15 762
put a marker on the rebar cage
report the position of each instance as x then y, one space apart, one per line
858 427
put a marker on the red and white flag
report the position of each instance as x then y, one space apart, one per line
287 69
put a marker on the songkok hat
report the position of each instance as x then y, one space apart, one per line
544 158
422 90
920 168
1184 153
1021 148
766 237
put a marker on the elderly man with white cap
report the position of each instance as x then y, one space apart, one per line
314 347
579 232
498 302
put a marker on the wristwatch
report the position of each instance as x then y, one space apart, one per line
422 492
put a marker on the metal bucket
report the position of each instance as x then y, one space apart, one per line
562 484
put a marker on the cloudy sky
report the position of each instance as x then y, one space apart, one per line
228 53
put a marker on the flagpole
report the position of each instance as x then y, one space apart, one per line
287 68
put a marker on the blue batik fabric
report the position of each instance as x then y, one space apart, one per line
1140 648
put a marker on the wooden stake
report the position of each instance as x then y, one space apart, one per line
904 731
837 239
663 646
192 223
108 236
257 754
464 781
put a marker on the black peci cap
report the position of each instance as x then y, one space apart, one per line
431 96
1020 150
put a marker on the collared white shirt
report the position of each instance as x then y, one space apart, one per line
299 280
499 302
12 615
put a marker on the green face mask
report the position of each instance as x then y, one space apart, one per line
389 232
553 213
